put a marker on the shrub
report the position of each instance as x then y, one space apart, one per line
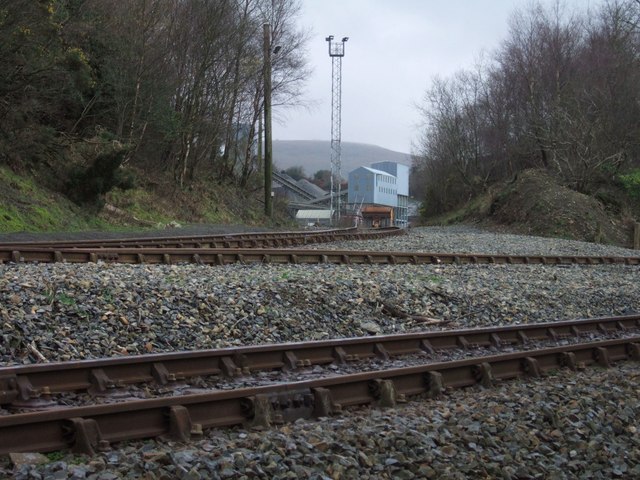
631 183
88 186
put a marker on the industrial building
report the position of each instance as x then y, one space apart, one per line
378 195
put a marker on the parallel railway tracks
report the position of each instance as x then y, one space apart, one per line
49 426
274 248
22 383
88 428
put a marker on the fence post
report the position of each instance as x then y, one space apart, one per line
636 236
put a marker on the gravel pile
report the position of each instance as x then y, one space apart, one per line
62 312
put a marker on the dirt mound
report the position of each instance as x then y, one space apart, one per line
534 203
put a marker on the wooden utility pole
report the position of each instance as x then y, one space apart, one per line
268 205
260 144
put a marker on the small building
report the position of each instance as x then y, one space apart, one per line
313 218
375 216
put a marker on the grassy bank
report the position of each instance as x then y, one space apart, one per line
153 203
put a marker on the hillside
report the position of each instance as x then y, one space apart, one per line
535 203
155 202
314 155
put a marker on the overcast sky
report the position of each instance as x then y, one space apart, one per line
395 48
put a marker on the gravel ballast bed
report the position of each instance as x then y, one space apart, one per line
467 239
61 311
67 312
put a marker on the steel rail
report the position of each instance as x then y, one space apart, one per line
20 385
90 428
177 238
225 256
238 240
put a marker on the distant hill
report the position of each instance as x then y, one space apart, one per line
314 155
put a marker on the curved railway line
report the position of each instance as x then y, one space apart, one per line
265 248
231 240
47 425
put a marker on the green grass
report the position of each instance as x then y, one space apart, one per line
64 456
55 456
19 183
10 219
25 207
66 299
631 183
432 279
139 203
107 295
478 205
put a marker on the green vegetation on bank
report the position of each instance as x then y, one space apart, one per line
535 203
631 183
26 206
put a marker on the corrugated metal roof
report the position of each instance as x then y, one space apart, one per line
373 170
313 215
312 188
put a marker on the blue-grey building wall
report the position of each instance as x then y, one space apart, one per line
372 186
398 170
401 201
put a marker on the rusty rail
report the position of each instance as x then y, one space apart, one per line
87 429
236 240
21 384
223 256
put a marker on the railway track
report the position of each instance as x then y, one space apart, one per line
264 248
21 384
235 240
44 424
225 256
89 428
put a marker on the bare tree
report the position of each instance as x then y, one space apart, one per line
561 94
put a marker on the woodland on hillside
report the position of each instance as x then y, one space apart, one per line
97 93
88 87
561 94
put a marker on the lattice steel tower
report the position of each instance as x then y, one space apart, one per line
336 52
